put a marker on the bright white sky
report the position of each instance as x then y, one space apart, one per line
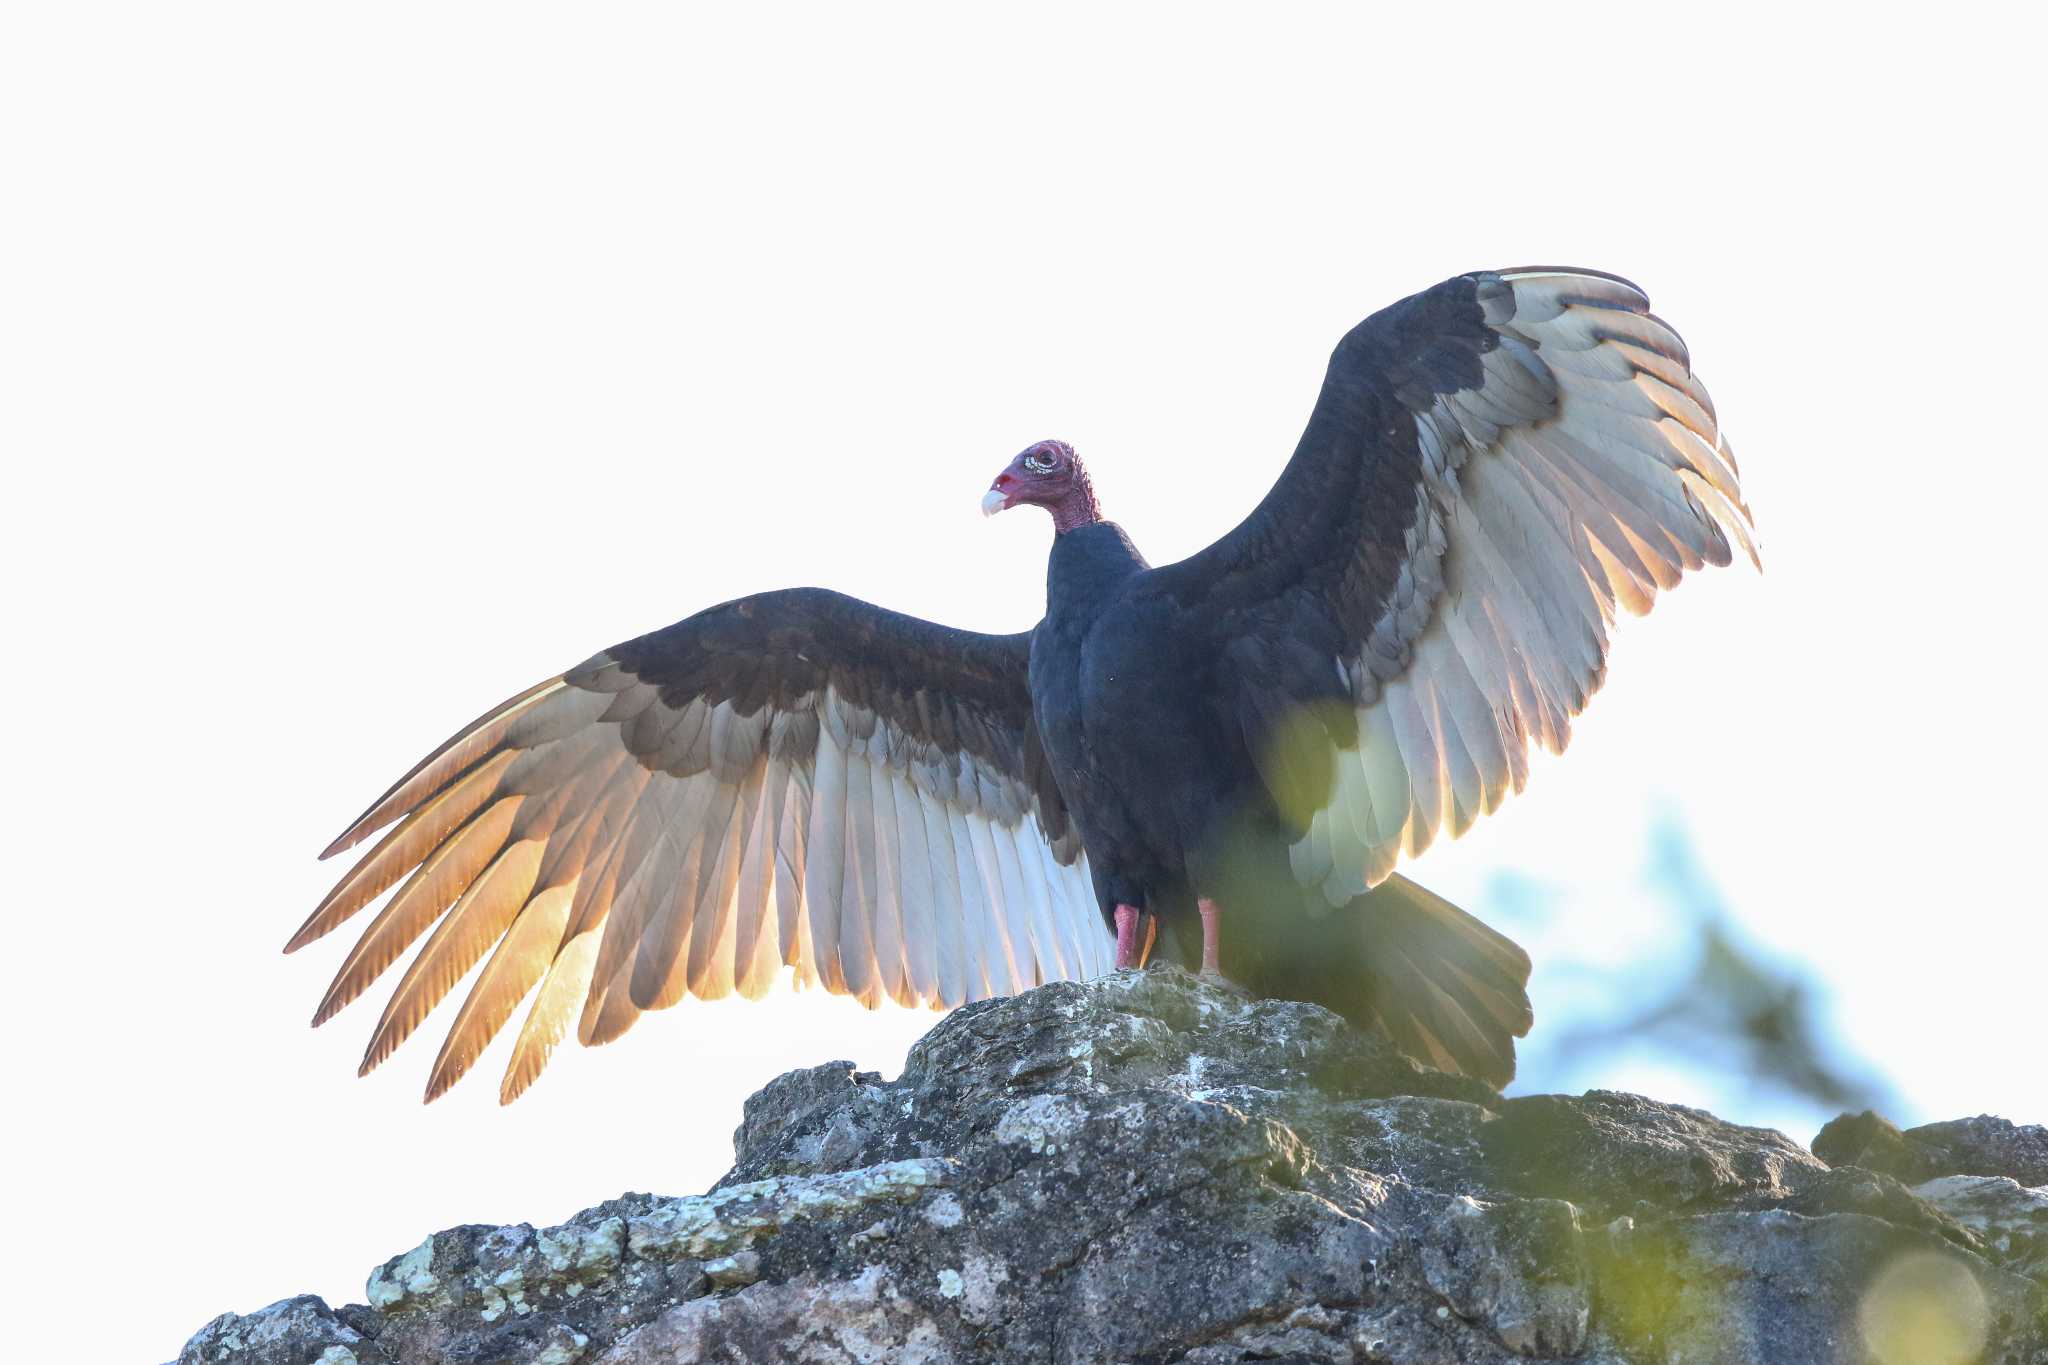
363 365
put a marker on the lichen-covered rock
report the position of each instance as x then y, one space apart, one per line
1983 1145
1611 1152
1153 1168
2010 1220
299 1331
1851 1189
1732 1289
1519 1268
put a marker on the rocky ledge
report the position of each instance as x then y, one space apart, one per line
1152 1168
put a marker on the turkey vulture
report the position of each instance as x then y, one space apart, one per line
1223 758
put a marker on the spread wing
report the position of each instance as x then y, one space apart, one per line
1492 467
794 779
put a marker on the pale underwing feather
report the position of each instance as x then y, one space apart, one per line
1019 911
440 880
403 849
1012 947
715 936
757 914
884 911
643 881
792 842
1555 514
857 892
990 964
950 932
520 960
917 899
825 873
666 900
463 936
1018 863
481 737
559 1000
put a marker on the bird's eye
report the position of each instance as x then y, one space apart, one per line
1039 464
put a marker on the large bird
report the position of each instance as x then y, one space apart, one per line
1223 758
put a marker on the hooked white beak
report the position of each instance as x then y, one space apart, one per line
993 501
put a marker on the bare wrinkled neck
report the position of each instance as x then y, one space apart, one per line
1078 507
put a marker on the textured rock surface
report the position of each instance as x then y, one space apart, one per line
1148 1168
1980 1146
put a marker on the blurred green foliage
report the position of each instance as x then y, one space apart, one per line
1753 1027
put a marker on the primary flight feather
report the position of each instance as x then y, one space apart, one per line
1229 755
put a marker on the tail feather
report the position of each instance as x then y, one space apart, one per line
1449 991
1420 959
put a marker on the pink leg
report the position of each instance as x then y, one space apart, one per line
1127 950
1210 966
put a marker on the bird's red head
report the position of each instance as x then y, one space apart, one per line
1048 475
